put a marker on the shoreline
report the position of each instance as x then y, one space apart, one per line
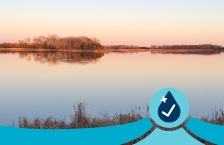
112 50
55 50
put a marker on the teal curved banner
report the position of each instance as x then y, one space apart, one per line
112 135
207 131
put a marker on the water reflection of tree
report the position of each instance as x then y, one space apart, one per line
55 58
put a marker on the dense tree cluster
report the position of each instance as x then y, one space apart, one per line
56 42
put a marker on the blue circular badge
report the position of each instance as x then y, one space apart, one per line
169 107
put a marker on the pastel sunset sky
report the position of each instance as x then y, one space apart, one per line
115 22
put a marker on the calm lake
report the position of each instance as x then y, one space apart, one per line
50 84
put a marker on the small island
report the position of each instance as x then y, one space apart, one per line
53 42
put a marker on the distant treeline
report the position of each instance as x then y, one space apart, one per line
169 47
203 46
56 42
124 47
85 43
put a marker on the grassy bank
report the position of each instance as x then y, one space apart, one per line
81 119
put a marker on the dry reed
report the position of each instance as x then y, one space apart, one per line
81 119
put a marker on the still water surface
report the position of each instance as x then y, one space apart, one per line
50 84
